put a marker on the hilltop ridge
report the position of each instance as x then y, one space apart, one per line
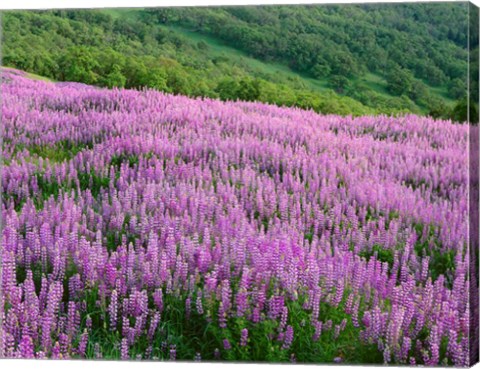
396 58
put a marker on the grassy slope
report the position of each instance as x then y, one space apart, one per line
275 72
375 82
29 75
218 48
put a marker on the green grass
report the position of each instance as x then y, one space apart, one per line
37 77
30 75
217 48
442 92
59 152
200 334
49 188
376 83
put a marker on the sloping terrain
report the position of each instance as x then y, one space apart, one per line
143 225
349 59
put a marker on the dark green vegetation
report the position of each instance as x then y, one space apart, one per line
344 59
416 52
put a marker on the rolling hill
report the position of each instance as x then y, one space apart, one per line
345 59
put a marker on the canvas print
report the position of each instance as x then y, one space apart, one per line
280 184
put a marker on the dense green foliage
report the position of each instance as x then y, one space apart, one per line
473 66
413 47
344 59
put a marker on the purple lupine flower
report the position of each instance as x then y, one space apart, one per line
113 310
202 204
88 322
288 337
64 342
244 337
173 353
226 344
97 351
222 316
318 330
283 318
386 355
336 331
124 355
153 325
26 347
158 299
56 351
82 346
199 304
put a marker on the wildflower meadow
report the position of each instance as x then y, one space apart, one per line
139 225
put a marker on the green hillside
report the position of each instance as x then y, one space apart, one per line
343 59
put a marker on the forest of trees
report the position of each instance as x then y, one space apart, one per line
417 51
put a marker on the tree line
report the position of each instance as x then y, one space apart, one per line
139 48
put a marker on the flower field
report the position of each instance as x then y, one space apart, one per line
139 225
